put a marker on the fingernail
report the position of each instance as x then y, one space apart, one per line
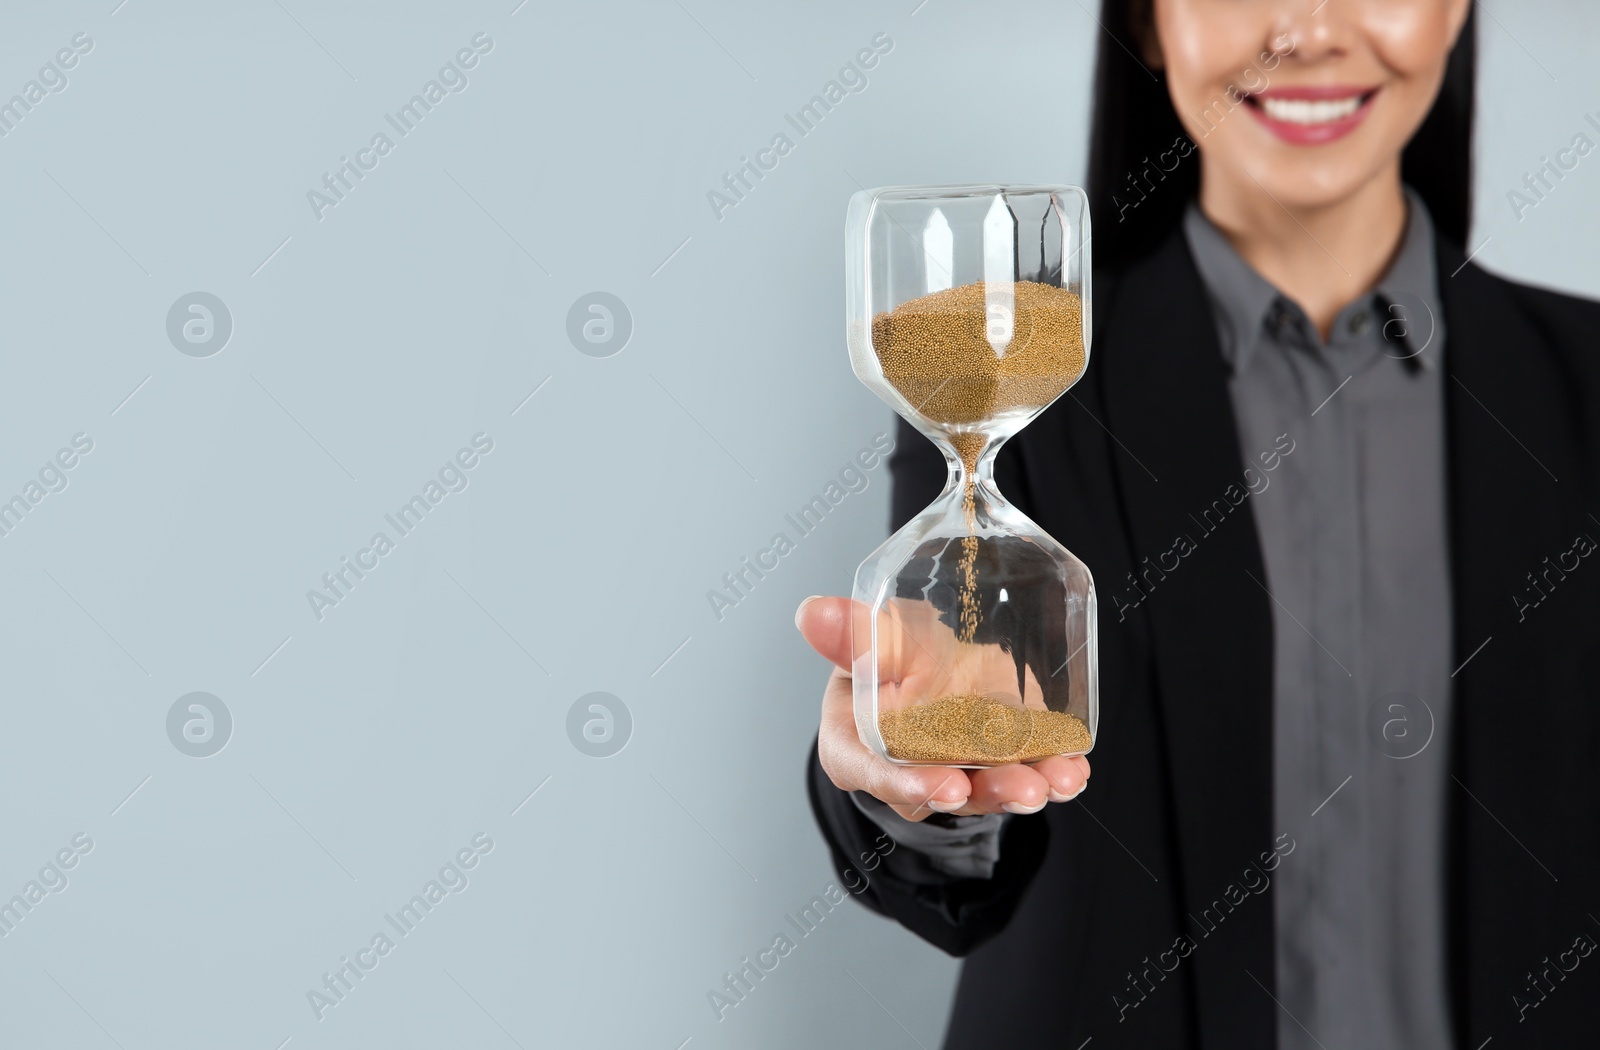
802 609
1019 809
1056 796
946 807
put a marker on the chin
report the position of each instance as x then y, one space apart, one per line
1312 183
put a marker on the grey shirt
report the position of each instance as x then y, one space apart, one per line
1351 521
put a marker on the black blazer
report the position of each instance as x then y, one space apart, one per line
1092 892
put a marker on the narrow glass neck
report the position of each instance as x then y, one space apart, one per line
971 458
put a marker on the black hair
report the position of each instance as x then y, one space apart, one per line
1135 134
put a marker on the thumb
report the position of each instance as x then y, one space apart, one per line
825 625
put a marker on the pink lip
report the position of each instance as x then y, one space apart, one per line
1312 134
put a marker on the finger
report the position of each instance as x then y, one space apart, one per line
1009 789
915 791
825 625
940 797
1067 777
907 635
1017 789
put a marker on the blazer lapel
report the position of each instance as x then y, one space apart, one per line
1167 398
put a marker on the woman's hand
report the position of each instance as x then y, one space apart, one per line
915 791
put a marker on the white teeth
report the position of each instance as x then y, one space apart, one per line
1308 111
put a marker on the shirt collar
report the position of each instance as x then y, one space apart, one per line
1243 300
1408 292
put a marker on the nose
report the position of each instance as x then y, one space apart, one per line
1313 29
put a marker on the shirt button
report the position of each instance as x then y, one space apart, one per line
1358 323
1282 320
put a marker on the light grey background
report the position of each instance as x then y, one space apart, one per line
369 346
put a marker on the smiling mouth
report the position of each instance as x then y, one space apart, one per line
1310 112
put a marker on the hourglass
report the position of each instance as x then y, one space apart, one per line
974 635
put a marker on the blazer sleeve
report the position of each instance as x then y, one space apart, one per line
952 913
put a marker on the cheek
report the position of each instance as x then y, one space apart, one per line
1206 47
1411 42
1410 39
